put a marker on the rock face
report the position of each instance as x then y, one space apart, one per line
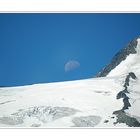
123 93
119 57
121 115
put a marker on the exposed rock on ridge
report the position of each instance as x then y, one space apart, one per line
119 57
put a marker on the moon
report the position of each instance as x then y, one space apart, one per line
71 65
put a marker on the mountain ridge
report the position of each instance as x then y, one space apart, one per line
130 48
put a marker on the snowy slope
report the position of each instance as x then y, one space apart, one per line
87 97
111 101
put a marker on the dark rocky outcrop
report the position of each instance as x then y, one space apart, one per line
127 80
126 103
106 121
123 93
121 116
118 58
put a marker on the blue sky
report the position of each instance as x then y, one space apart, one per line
34 48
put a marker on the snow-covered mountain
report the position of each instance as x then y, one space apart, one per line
112 99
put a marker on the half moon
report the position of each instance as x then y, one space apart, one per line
71 65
